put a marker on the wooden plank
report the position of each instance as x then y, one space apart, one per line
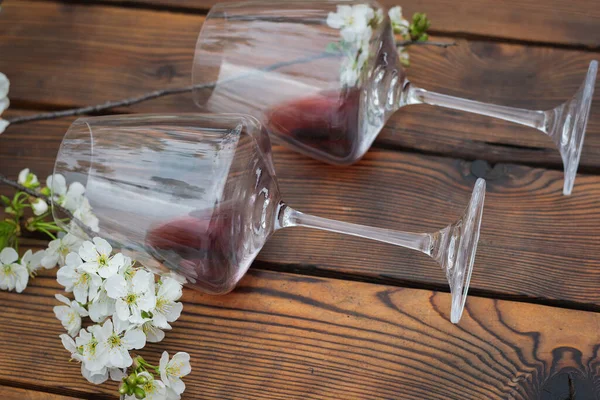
129 52
535 242
12 393
552 21
283 336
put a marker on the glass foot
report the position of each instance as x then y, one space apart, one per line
567 124
454 248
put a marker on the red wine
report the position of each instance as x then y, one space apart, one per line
327 122
198 246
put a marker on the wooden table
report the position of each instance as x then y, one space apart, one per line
322 316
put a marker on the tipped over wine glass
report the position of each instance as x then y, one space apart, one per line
197 195
324 76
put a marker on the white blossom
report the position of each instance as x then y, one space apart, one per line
98 260
27 178
85 286
32 261
399 23
101 307
70 314
117 346
13 276
172 371
153 333
86 216
167 309
74 196
87 344
4 102
39 207
98 376
58 250
132 298
352 21
57 185
154 388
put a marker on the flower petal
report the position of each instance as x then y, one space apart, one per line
116 287
162 367
62 299
88 252
22 277
102 246
183 360
57 184
8 255
170 289
68 343
134 339
122 309
96 377
177 385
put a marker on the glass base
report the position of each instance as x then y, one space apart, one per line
454 248
567 124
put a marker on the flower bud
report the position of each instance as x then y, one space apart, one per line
141 380
139 393
131 380
137 362
123 388
39 206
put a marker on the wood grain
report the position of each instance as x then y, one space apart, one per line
553 21
534 243
129 52
11 393
282 336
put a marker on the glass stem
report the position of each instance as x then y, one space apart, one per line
534 119
287 217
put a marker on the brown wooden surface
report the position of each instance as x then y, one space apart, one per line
313 327
553 21
134 51
13 393
532 236
283 336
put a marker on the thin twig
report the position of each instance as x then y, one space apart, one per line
186 89
106 106
427 43
33 193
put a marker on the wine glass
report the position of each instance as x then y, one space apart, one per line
197 195
324 76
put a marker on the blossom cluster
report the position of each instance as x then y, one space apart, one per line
355 24
73 199
4 102
14 272
129 307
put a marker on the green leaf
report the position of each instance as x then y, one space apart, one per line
5 200
7 230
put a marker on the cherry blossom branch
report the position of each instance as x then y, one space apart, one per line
33 193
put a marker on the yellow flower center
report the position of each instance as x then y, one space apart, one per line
174 369
131 298
114 341
83 280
